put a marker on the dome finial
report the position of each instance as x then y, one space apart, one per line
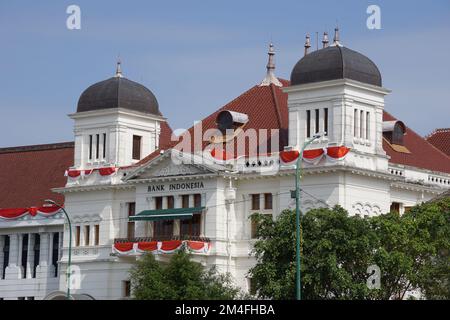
325 40
118 69
307 44
336 40
270 76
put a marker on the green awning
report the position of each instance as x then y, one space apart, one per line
166 214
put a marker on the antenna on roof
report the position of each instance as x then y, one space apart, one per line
317 40
307 44
325 40
270 75
118 68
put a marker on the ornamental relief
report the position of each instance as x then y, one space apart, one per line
366 209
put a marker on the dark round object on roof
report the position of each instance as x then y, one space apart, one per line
118 92
335 62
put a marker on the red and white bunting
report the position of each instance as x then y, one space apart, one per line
313 156
288 158
337 153
166 247
75 174
17 213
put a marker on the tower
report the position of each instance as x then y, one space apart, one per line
338 91
117 123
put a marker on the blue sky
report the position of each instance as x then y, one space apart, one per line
198 55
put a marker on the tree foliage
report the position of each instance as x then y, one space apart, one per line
179 279
412 252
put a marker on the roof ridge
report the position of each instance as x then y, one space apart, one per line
437 130
38 147
275 101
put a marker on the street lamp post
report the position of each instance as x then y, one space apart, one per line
298 170
68 272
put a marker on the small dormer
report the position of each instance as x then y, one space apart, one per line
393 133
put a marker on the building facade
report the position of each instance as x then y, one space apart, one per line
132 188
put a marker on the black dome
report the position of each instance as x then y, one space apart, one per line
118 92
335 62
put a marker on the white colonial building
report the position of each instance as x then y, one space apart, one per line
132 189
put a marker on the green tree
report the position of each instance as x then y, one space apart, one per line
179 279
411 250
336 251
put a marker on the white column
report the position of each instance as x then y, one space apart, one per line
203 216
176 223
30 257
19 255
261 202
50 248
43 249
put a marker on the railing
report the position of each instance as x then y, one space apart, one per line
162 238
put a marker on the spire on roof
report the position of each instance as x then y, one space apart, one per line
307 44
118 69
270 75
336 40
325 40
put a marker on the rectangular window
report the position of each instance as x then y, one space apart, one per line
5 254
395 207
97 234
163 229
24 255
185 201
254 226
127 289
158 203
251 286
368 125
361 125
325 121
317 121
90 147
190 227
97 146
170 202
268 201
104 146
308 123
130 224
137 147
255 201
87 230
55 253
77 236
197 200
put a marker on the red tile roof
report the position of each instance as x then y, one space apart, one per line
266 108
440 138
28 173
423 154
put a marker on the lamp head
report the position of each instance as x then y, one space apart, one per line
319 135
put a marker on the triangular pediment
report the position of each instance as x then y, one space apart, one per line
169 166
